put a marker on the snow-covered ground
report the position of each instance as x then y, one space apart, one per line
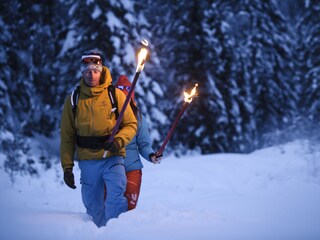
270 194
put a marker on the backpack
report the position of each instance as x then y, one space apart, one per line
111 93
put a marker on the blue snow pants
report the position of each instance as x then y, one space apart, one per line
95 174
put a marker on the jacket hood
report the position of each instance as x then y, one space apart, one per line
105 81
105 76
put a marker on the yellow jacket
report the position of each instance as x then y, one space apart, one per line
94 118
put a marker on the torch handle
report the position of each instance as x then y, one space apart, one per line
120 117
173 127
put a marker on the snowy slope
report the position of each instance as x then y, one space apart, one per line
272 194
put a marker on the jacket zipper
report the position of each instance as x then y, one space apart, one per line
92 117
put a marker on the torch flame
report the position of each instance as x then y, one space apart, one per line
188 97
142 55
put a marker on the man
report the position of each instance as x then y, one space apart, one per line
85 128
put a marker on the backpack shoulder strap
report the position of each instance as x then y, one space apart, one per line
74 98
113 99
111 92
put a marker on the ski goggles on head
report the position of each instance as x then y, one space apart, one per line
90 67
127 88
91 58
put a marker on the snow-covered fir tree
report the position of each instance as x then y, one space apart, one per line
222 126
180 39
265 72
26 39
308 59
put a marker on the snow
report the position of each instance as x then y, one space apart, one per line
113 21
6 135
69 42
273 193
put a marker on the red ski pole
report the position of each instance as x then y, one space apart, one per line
141 61
187 101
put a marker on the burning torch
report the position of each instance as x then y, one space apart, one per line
142 55
187 100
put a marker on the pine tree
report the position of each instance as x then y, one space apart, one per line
264 53
20 98
31 51
225 127
307 52
196 45
170 48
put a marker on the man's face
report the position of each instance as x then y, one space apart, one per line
92 77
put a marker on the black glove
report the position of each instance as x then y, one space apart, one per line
68 178
155 158
112 147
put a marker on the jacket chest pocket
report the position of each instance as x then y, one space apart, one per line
103 119
95 118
